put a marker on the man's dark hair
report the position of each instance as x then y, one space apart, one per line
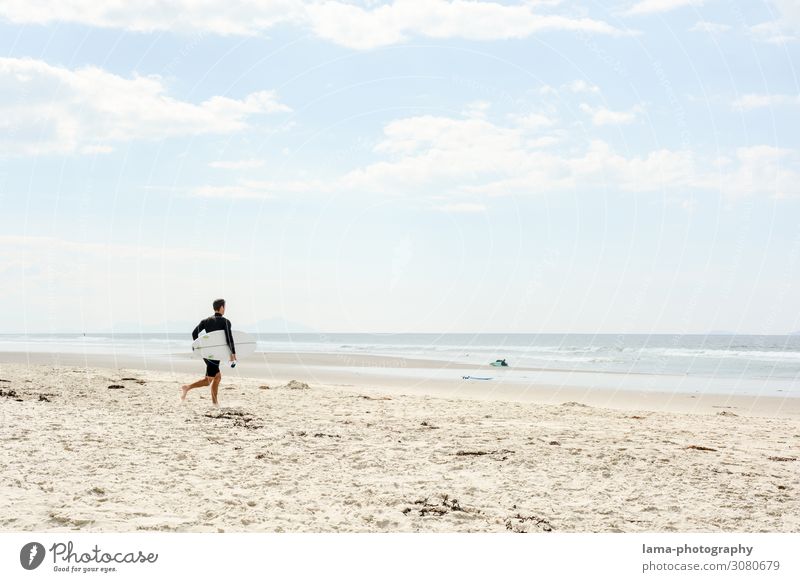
218 303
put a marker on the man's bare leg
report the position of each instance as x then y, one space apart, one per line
215 388
199 384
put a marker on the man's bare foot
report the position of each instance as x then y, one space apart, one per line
184 391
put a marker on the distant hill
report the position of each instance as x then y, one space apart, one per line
794 333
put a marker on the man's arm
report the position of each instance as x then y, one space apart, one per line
196 331
229 337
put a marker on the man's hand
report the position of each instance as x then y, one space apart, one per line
233 357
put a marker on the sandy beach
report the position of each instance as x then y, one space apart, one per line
103 444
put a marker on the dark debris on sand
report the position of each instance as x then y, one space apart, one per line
302 433
526 523
423 507
239 418
498 455
10 394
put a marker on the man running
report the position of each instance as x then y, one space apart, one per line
213 376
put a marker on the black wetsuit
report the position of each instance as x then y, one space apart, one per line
215 323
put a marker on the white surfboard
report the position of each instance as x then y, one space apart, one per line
212 345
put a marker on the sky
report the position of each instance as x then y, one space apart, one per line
405 166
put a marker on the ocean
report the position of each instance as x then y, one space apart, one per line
771 361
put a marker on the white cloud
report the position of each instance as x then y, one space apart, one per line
785 28
428 147
598 168
446 160
96 149
462 207
759 169
476 109
232 17
420 151
344 23
581 86
235 192
459 157
656 6
603 116
360 28
756 101
789 11
774 32
237 164
47 109
709 27
545 141
14 244
260 190
650 172
533 121
577 86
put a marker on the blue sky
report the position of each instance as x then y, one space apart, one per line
412 165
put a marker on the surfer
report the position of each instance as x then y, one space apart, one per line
217 322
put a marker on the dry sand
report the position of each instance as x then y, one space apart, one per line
78 455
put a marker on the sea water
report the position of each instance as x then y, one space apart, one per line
748 363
